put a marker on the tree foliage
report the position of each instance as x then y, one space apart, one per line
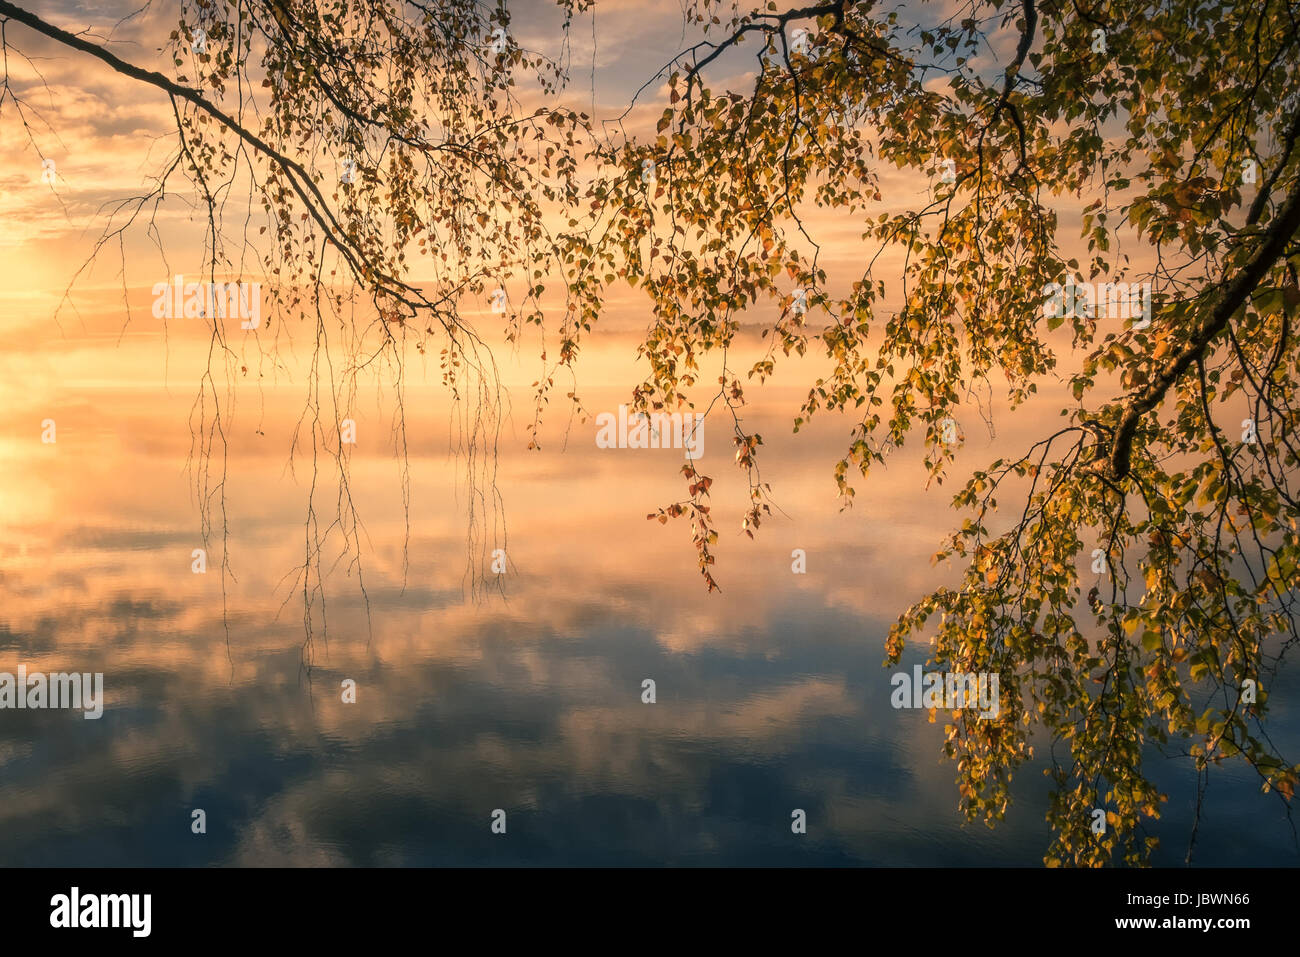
1127 110
1173 127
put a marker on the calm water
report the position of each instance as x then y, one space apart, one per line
770 696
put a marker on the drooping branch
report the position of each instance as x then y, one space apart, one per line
299 178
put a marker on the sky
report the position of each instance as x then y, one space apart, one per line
121 385
79 345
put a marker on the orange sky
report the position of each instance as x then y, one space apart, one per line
121 390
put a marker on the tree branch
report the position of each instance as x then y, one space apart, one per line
1228 299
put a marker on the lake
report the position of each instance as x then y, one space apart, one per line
525 696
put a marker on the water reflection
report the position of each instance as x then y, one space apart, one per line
770 696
